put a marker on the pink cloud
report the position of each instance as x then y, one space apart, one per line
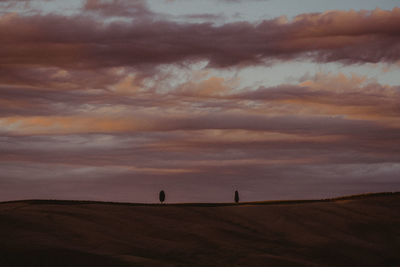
79 42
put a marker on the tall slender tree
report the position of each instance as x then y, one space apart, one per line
162 196
236 196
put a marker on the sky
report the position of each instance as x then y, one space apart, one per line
115 100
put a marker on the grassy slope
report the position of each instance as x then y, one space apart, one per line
358 230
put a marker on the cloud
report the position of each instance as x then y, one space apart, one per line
118 8
325 119
205 17
102 162
14 1
108 94
353 96
322 105
6 5
240 1
81 42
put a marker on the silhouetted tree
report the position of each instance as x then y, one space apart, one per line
236 196
162 196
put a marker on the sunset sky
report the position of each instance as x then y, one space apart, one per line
279 99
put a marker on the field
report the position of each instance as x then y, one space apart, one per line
351 231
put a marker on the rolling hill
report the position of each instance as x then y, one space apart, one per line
351 231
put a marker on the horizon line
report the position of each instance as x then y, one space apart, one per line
201 204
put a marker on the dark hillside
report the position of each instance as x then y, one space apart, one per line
358 231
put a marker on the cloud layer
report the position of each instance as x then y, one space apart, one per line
96 104
84 42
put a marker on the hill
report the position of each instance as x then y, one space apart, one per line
358 230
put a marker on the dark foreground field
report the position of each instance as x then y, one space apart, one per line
358 231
